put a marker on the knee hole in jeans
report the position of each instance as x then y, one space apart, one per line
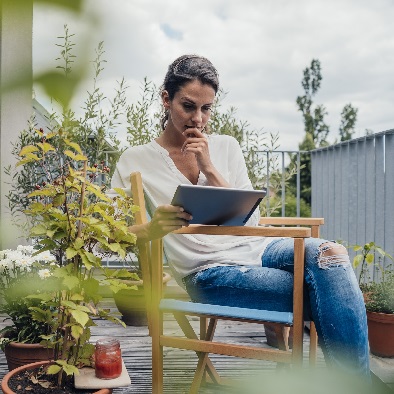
332 254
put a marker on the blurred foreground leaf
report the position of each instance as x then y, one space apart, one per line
59 86
73 5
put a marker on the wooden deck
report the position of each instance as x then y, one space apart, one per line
179 365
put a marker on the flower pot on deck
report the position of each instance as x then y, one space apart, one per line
131 303
18 354
272 335
381 333
5 381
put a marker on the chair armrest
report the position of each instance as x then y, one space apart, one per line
292 221
292 232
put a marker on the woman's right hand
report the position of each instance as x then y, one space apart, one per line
167 218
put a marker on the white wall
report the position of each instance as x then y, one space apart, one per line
16 25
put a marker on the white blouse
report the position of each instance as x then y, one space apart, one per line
187 254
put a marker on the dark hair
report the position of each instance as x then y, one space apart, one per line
188 68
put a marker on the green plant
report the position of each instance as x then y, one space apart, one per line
78 224
94 131
23 273
378 295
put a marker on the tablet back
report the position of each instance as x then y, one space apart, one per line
218 205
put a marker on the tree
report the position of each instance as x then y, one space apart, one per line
316 130
348 122
313 117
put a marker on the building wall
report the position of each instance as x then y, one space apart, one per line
16 25
353 189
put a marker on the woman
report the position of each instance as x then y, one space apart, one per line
237 271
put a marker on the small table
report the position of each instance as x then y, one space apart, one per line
87 379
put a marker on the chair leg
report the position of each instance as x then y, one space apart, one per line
189 333
203 333
203 358
313 345
157 357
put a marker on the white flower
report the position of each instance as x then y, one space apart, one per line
44 273
25 249
5 264
24 262
15 255
46 256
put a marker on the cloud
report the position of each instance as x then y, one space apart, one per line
260 48
170 32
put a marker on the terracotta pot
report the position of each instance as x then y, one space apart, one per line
18 354
271 335
9 375
381 333
131 303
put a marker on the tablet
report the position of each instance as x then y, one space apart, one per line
218 205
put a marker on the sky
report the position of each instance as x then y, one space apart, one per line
259 47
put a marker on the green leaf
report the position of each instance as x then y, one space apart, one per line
73 145
97 192
54 369
85 261
28 149
45 147
78 243
76 331
71 252
59 199
357 260
80 158
76 297
70 370
40 229
71 5
369 258
57 84
69 304
70 282
80 317
102 228
42 192
70 154
121 192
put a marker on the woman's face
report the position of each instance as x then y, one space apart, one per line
191 106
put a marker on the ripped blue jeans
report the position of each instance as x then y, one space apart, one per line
333 299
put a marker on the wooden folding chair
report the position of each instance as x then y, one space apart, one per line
151 260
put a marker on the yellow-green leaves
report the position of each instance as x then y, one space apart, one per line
27 150
45 147
60 365
76 157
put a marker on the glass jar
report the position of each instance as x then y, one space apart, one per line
108 359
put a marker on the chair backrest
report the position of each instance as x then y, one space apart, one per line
144 250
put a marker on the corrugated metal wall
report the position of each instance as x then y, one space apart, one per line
353 189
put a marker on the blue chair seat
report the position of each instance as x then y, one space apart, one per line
194 308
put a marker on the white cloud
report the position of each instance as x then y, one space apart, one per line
260 48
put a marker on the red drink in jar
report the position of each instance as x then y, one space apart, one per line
108 359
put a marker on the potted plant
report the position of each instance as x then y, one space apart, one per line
71 217
130 300
378 297
21 274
